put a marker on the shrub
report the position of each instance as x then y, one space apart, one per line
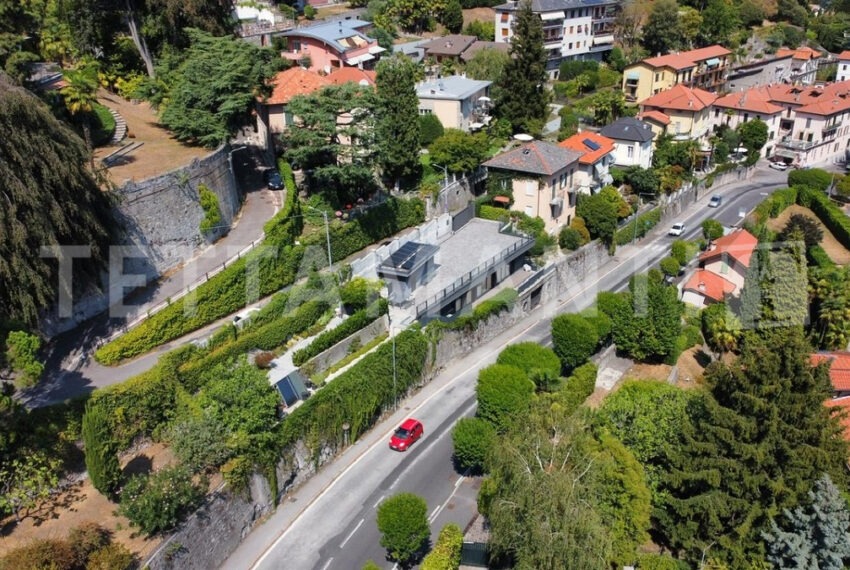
679 250
430 129
504 393
712 229
530 356
660 562
578 225
574 340
40 554
670 266
264 360
101 451
200 442
473 440
21 352
403 522
814 178
502 301
493 213
348 327
111 557
569 239
446 553
817 256
600 321
804 226
639 227
357 293
829 214
86 539
210 206
155 503
578 387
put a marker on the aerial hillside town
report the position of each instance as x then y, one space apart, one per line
444 284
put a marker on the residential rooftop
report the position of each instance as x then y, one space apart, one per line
628 129
686 59
739 245
343 35
593 146
681 98
452 88
292 82
535 157
451 45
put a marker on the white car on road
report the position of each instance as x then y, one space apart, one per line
677 229
778 165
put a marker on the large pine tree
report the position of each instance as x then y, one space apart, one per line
398 124
523 97
755 445
47 197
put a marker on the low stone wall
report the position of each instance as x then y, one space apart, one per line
676 203
337 352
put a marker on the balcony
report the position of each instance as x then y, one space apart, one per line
829 131
796 144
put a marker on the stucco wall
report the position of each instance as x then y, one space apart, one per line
337 352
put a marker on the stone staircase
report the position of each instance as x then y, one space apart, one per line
120 128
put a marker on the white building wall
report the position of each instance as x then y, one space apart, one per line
843 72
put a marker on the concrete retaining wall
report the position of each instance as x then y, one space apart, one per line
334 354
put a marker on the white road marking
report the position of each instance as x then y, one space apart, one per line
434 513
439 509
328 563
375 506
347 538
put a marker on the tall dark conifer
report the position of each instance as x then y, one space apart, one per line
397 128
101 451
755 445
524 99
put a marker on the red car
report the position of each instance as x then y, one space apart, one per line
408 432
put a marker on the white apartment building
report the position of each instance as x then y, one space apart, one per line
572 29
843 71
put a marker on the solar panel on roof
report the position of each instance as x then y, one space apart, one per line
404 257
590 144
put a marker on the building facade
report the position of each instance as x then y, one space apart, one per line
597 156
804 64
842 72
682 112
335 44
761 72
705 68
632 141
457 101
572 29
542 178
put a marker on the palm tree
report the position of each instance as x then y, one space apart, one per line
80 95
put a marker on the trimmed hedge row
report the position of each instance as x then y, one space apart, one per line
578 387
775 204
359 395
376 223
266 337
645 222
814 178
492 213
348 327
829 214
277 264
817 256
502 301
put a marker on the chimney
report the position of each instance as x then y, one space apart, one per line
701 286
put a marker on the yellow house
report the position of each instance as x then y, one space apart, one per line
457 101
542 177
679 111
706 68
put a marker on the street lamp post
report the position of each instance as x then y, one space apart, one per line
637 214
445 173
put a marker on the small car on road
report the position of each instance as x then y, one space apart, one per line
778 165
272 179
715 201
677 229
406 434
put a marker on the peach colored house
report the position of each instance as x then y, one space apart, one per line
272 118
681 111
723 269
542 177
706 68
457 101
332 45
597 155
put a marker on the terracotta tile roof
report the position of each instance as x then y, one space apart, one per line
739 245
839 368
831 106
536 157
817 100
686 59
680 98
294 81
656 116
844 55
752 100
842 410
352 74
590 155
451 45
709 284
805 53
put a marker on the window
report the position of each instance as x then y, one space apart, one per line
529 210
770 136
716 113
630 151
809 123
657 76
504 32
746 117
724 267
571 29
570 46
505 17
529 188
563 180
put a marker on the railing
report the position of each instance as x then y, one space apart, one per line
797 145
535 278
247 30
830 131
461 283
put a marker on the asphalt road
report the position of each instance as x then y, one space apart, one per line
337 530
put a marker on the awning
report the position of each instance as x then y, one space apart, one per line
376 49
606 39
360 59
633 75
713 62
501 199
552 16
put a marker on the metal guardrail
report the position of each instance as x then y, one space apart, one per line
535 278
464 280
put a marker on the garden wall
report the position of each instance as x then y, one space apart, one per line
337 352
675 203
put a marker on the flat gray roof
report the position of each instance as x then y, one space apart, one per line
472 245
453 88
332 32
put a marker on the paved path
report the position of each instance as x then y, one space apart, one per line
70 371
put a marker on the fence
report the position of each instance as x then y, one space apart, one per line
474 554
462 282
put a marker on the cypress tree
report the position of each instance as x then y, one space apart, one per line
397 128
101 451
754 445
523 98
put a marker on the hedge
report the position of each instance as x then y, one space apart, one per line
829 214
359 395
348 327
502 301
578 387
493 213
645 222
818 257
813 178
446 553
266 337
775 204
223 294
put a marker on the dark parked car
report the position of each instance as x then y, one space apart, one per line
407 433
273 180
